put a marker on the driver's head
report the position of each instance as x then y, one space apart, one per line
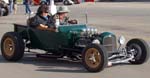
43 10
62 11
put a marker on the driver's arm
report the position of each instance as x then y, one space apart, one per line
44 27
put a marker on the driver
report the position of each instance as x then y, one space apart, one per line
42 20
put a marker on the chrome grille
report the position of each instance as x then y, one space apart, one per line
110 44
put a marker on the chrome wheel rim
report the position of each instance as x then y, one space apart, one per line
92 58
8 47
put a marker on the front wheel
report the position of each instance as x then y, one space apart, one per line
94 58
141 50
12 46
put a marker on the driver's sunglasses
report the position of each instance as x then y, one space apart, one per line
46 12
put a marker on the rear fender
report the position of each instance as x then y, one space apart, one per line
22 30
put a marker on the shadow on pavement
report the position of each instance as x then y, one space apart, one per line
49 65
53 65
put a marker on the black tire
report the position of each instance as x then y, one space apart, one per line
142 50
6 11
12 46
1 13
101 58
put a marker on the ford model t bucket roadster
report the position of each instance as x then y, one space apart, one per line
77 42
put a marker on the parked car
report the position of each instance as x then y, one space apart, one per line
70 2
4 11
76 42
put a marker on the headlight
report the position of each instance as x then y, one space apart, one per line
121 40
96 41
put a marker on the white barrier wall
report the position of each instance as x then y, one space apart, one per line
134 0
122 0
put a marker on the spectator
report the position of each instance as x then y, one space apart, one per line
15 6
11 4
27 6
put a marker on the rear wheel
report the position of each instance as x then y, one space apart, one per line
94 58
12 46
141 50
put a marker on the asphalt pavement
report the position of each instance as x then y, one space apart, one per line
128 19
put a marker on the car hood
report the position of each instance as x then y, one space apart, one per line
73 27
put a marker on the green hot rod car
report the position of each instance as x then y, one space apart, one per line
76 42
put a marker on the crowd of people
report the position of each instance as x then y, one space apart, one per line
44 19
12 6
9 7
